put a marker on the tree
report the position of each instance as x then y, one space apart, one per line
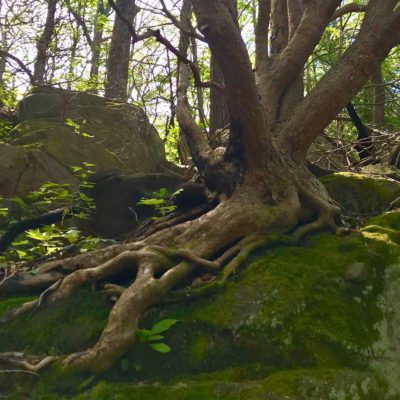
263 184
43 43
118 55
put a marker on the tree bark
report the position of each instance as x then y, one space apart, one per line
219 112
43 44
378 111
119 53
96 44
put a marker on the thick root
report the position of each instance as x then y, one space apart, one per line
120 332
25 363
159 268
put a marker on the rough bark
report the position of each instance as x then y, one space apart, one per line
43 43
219 112
378 111
118 55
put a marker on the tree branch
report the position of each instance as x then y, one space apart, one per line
347 9
6 54
165 42
190 32
79 20
261 33
295 11
379 33
290 62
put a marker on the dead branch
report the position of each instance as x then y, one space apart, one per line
7 55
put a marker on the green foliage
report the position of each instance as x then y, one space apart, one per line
160 203
77 127
5 127
3 210
154 335
50 239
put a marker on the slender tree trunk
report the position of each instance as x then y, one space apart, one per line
39 71
379 99
3 46
119 53
199 90
219 112
96 44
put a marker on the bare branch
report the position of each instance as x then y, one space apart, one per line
79 20
178 24
6 54
347 9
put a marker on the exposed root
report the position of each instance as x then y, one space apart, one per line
30 364
50 272
245 251
188 256
159 269
120 332
63 288
328 214
172 220
113 291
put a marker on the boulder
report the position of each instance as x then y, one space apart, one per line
121 128
116 196
57 129
361 194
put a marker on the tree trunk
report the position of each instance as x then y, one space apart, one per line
219 112
119 53
96 44
379 99
39 71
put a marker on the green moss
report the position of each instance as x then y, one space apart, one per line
361 194
297 322
200 348
8 304
59 329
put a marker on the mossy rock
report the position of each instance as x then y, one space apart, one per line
320 320
121 128
362 195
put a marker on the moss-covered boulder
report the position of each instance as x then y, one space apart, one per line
317 320
361 194
57 129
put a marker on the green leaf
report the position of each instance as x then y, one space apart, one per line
163 325
37 235
151 202
154 337
125 364
161 347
